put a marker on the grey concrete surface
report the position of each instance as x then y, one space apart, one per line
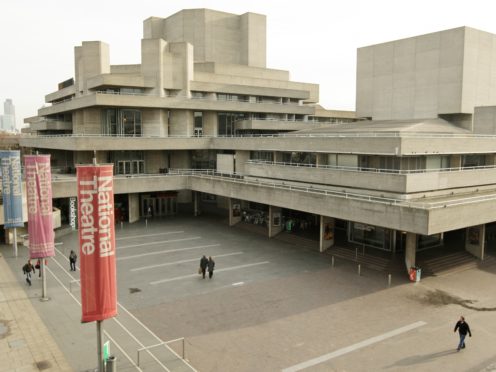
288 307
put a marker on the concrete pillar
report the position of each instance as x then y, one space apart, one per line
196 207
321 159
134 207
455 161
326 233
277 157
181 123
475 240
234 211
275 222
410 250
210 123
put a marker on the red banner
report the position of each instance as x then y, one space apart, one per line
39 203
97 241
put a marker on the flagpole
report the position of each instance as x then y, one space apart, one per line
15 242
43 281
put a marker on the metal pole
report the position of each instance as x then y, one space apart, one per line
43 280
15 242
359 270
183 349
99 342
332 261
146 222
389 280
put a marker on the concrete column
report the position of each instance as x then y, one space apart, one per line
196 208
277 156
234 211
321 159
134 207
410 250
455 161
475 240
210 123
326 233
275 222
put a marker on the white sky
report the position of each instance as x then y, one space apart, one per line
316 40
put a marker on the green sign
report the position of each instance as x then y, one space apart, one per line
106 351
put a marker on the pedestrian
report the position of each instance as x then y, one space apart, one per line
203 265
38 267
27 269
211 265
463 328
72 260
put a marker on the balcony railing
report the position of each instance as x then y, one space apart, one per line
372 170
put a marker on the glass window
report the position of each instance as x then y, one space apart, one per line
473 160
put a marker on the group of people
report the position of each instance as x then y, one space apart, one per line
206 263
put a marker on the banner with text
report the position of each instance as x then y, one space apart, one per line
11 188
95 196
39 200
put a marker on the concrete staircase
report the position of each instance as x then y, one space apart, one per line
452 263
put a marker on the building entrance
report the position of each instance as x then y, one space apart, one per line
158 205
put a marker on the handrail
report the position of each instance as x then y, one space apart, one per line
289 135
166 344
372 170
233 177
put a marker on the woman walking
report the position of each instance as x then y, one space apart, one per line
211 265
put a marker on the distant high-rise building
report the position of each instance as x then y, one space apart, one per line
7 120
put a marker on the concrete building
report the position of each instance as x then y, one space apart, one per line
8 119
201 124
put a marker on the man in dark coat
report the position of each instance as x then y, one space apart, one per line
203 265
463 329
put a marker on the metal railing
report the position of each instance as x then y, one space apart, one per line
166 344
240 179
372 170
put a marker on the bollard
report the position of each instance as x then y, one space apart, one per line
146 222
122 225
111 365
359 270
389 280
332 261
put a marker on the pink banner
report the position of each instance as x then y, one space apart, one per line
39 203
97 241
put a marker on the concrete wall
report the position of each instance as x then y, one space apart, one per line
445 72
216 36
155 160
134 207
90 59
181 123
210 123
225 163
475 240
485 120
240 159
155 122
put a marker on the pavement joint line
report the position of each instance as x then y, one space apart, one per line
166 251
195 275
127 312
159 242
348 349
238 284
79 303
180 262
148 235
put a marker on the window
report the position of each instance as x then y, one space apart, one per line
198 119
119 122
473 160
226 122
261 155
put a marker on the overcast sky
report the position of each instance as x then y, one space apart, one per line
316 40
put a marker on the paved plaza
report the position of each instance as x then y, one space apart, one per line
271 306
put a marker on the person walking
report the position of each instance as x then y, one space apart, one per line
72 260
211 265
26 269
203 265
463 328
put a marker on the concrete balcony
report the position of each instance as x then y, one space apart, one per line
114 143
382 180
64 186
176 102
48 124
276 125
66 92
